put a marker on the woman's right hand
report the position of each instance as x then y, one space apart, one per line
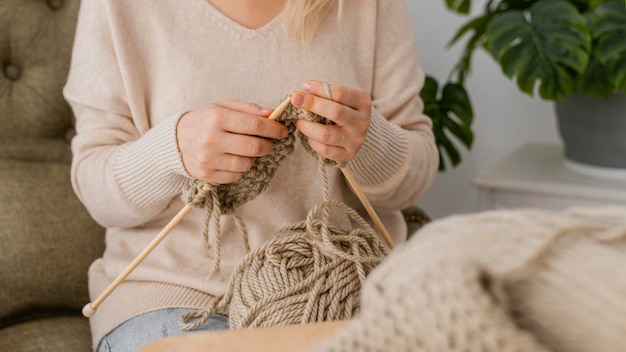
220 141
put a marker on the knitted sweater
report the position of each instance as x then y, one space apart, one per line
138 65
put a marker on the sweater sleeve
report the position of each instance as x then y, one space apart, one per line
123 171
399 158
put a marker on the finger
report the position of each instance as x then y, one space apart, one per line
227 168
206 167
245 124
325 134
331 152
338 113
247 146
220 169
233 163
349 96
245 107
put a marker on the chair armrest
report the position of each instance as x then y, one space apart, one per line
415 218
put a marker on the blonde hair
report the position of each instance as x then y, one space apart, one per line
303 17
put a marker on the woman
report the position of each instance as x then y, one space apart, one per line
169 91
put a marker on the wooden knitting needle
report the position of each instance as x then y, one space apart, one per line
368 206
280 109
90 308
352 181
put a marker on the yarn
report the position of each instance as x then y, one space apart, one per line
311 271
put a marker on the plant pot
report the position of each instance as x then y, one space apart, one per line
593 131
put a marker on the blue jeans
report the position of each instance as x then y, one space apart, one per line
142 329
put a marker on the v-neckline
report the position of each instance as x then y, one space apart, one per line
236 26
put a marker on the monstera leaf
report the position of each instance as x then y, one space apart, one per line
609 34
459 6
476 29
544 44
451 113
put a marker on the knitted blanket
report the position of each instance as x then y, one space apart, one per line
516 280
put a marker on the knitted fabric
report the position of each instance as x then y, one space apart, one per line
522 280
310 271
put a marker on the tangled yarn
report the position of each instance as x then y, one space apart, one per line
311 271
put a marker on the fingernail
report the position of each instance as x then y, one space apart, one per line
306 86
298 99
284 133
264 110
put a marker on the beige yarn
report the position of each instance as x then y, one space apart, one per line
514 280
311 271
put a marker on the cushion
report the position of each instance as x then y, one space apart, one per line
48 240
57 334
37 39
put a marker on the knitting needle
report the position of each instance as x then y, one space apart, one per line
280 109
368 206
352 182
359 192
90 308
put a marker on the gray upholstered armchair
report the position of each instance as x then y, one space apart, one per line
47 239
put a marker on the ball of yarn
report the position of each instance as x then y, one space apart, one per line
311 271
296 278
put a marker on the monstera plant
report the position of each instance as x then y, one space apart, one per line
451 112
551 48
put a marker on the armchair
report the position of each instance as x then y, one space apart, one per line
47 238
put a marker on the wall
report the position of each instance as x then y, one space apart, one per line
505 118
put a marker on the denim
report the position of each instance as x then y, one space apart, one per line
138 331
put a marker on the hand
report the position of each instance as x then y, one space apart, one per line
219 142
350 111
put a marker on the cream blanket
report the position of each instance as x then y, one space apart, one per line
517 280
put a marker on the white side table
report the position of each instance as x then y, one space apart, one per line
535 176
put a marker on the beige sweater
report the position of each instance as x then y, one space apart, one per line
138 65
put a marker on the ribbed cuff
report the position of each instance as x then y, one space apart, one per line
384 151
150 169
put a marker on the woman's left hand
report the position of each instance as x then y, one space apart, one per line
349 109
